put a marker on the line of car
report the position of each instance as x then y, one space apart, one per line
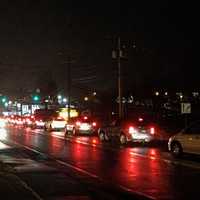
124 131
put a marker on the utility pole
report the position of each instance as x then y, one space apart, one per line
118 55
69 86
119 80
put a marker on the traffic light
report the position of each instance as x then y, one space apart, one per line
3 99
36 98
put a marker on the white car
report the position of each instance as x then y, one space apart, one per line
2 122
55 123
187 141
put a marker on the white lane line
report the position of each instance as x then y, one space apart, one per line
78 169
27 187
84 171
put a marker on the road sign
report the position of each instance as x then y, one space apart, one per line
185 108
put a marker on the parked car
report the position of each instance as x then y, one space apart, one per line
130 130
82 125
186 141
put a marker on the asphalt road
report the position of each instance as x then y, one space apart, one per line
147 170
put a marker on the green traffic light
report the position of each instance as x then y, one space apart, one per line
36 98
3 100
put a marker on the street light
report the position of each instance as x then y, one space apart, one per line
59 97
64 100
94 93
86 98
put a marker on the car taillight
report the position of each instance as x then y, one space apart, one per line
85 118
131 130
78 123
152 130
94 124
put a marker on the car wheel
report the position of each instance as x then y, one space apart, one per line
33 126
74 131
67 132
50 128
102 136
123 139
106 137
176 149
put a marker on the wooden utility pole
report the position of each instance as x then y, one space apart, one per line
69 86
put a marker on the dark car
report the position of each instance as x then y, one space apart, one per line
28 121
81 125
39 121
41 116
127 130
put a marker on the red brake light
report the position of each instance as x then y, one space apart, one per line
78 123
94 124
131 130
94 141
152 130
85 117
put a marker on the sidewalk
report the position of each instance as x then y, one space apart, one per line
11 187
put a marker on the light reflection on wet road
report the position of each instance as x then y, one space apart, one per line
141 169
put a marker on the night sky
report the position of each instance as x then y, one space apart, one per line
36 37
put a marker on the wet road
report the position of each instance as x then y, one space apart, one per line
147 170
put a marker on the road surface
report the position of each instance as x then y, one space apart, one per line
146 170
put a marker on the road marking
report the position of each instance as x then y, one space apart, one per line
82 171
78 169
27 187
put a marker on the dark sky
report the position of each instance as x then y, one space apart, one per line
36 36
